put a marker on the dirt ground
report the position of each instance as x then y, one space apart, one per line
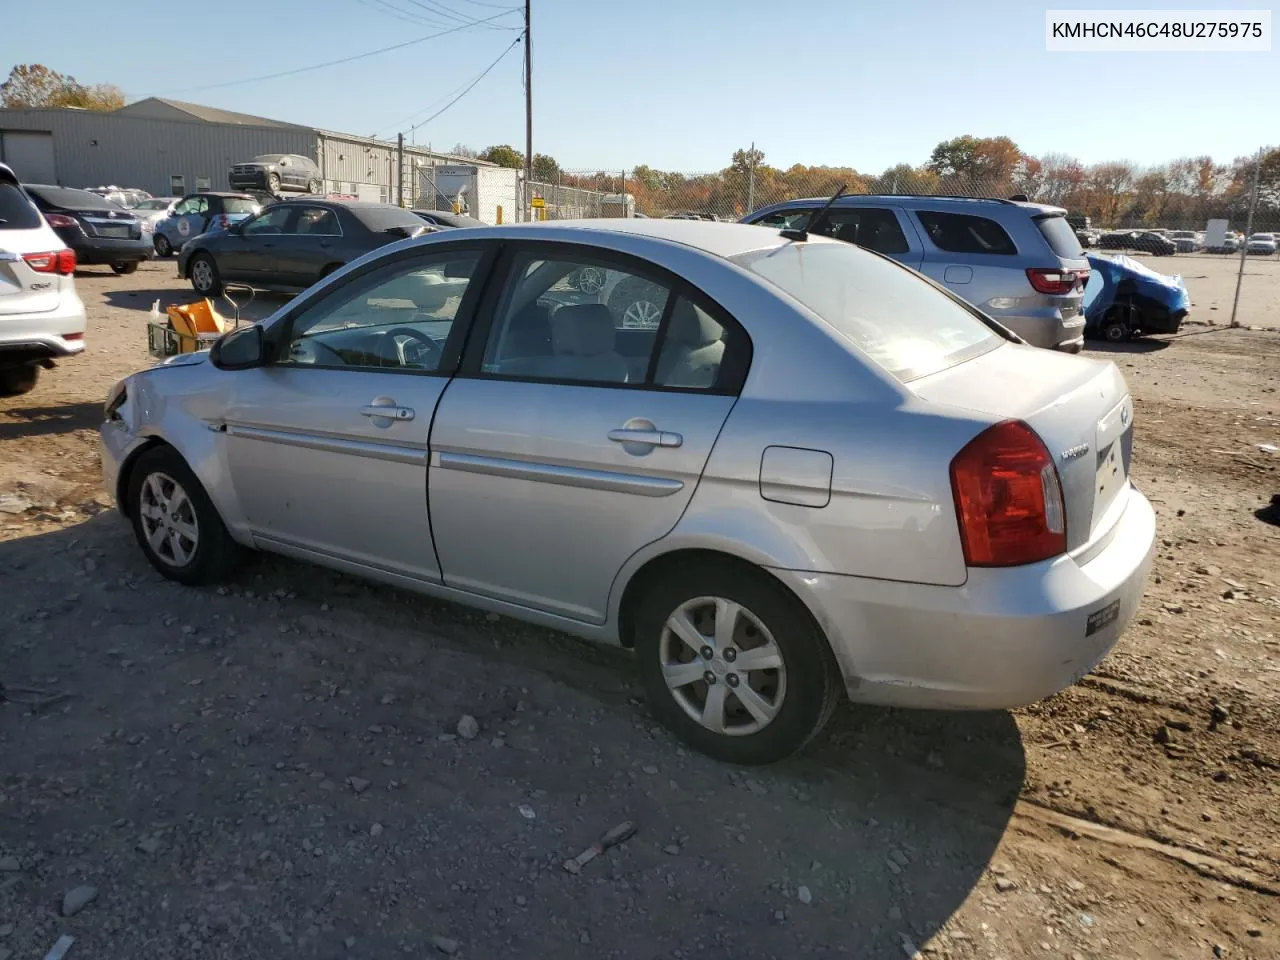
271 769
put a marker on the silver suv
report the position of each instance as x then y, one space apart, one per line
1020 263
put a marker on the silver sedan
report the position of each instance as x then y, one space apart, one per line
810 473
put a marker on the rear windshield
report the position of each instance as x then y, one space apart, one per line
902 322
16 211
71 199
1061 238
382 217
240 205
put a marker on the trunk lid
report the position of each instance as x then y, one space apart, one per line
23 290
1080 408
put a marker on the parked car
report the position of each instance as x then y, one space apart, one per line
949 523
1229 244
1088 237
446 218
41 316
1145 241
293 243
1186 241
1020 263
99 231
155 208
1261 244
1126 298
276 172
199 213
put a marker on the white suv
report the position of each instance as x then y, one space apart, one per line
41 316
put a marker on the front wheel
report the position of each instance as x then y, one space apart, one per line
175 522
163 247
1115 331
315 186
273 182
732 663
121 269
15 381
204 275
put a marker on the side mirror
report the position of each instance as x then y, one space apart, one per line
239 350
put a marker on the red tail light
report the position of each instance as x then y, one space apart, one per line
59 220
56 261
1008 498
1053 280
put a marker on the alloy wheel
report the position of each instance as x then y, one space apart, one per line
168 520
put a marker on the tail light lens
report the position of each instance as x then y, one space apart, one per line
56 261
1008 498
1055 281
59 220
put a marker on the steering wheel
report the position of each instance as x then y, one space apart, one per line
424 352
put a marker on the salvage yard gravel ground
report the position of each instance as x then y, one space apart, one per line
304 765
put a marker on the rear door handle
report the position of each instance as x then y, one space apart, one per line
387 412
648 438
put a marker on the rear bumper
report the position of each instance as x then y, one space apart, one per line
99 250
1008 637
43 336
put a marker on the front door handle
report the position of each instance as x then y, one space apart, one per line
648 438
387 412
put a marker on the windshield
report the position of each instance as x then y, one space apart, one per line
902 322
268 158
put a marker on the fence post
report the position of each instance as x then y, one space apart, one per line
751 179
1248 230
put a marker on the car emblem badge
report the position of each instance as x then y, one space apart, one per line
1075 453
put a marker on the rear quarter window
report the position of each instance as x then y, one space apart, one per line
900 321
1061 238
17 212
965 233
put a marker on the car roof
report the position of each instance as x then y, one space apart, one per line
915 200
710 236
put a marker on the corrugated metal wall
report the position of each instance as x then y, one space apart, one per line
346 158
100 148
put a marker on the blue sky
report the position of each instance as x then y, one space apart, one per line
679 84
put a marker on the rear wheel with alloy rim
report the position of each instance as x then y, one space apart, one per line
204 275
733 663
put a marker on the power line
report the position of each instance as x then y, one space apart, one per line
400 124
331 63
467 89
440 10
495 6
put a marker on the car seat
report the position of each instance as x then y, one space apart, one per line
693 350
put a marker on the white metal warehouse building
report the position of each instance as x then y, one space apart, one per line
170 148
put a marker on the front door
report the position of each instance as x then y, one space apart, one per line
253 253
327 446
555 456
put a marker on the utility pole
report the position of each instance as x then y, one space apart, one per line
528 100
1248 230
400 169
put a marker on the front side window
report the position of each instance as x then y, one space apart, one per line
396 318
273 221
871 227
965 233
789 219
900 321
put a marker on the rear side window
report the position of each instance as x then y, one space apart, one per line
965 233
1061 238
16 211
239 205
902 322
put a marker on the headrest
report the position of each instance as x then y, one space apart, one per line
583 330
690 327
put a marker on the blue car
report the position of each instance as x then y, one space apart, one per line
1125 298
200 213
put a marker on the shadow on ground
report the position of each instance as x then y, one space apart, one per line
263 303
1139 345
42 421
287 749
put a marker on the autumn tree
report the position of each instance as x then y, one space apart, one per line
969 164
33 85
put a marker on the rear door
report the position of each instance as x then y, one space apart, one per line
310 246
553 456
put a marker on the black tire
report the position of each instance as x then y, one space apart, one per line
1115 331
121 269
212 287
315 186
214 555
163 247
15 381
273 183
809 681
